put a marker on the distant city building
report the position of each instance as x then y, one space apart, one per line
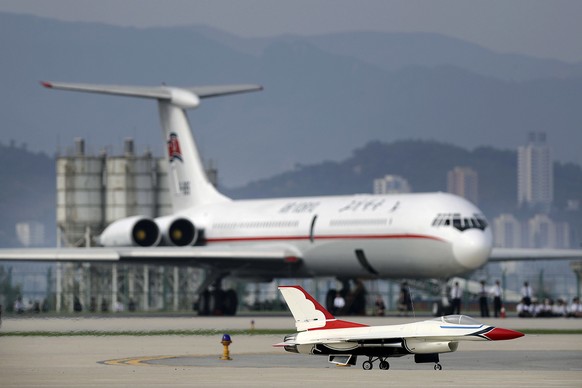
535 177
572 205
545 233
30 234
507 231
464 182
391 184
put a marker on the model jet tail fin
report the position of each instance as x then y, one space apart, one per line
308 313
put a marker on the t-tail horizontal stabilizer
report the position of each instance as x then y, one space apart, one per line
183 97
189 185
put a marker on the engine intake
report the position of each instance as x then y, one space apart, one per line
417 346
131 231
177 231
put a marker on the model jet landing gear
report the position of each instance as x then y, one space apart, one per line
438 366
384 365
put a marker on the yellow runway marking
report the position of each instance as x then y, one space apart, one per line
137 361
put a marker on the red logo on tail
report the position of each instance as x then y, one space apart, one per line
174 151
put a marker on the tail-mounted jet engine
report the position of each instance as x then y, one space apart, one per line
131 231
177 231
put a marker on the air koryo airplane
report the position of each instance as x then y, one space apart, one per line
425 235
320 333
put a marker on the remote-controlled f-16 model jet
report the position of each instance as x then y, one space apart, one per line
320 333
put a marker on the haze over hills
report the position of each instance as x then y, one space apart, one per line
324 95
27 191
28 180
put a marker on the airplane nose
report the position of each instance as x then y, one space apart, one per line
473 248
500 334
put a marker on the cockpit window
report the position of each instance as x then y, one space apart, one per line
476 221
458 320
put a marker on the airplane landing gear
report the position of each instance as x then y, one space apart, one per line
215 301
384 365
438 366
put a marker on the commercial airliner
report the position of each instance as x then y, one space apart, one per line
320 333
425 235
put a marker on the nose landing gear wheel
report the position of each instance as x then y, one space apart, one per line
438 367
367 365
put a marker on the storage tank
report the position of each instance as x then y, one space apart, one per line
80 194
131 183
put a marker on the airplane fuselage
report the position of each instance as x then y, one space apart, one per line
398 235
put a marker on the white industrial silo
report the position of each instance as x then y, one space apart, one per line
80 195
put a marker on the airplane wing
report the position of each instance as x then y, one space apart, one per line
197 256
522 254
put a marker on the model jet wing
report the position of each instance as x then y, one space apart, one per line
522 254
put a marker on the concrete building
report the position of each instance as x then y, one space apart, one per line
391 184
543 232
507 231
30 234
464 182
92 192
535 177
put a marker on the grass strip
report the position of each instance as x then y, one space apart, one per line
550 331
96 333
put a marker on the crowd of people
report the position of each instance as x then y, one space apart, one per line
528 307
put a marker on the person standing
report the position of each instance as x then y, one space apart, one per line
526 293
483 303
497 304
380 306
338 303
456 299
404 300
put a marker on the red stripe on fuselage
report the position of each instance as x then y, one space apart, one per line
326 237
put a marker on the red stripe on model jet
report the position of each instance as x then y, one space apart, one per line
326 237
500 334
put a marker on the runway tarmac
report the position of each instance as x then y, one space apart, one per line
193 360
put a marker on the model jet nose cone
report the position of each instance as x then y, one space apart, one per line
473 248
500 334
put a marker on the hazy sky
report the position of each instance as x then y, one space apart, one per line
543 28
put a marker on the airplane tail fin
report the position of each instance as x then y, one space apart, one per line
308 313
189 184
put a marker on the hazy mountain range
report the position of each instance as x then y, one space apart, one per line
28 180
324 95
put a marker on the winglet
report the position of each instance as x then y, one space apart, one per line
309 314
